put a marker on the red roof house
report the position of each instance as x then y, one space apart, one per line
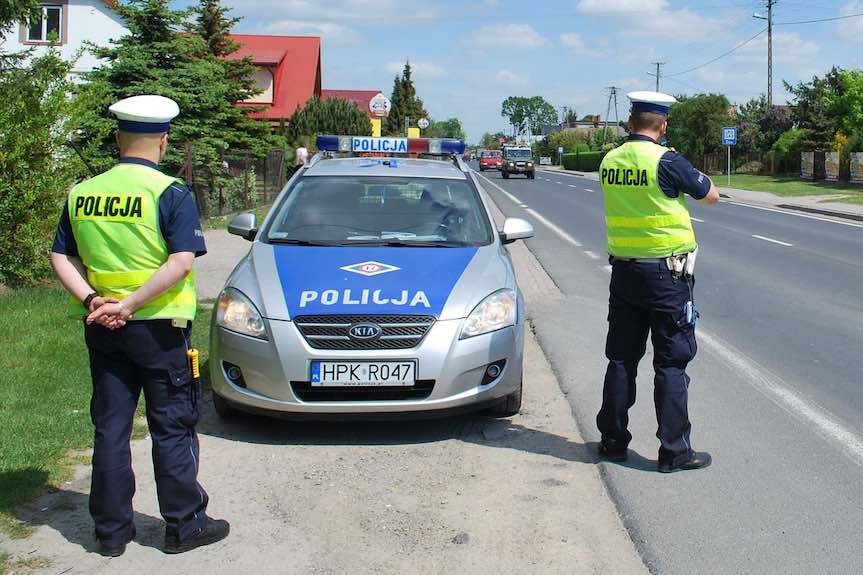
360 98
289 72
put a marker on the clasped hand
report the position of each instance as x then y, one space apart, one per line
108 312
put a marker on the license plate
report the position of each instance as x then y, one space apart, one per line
363 373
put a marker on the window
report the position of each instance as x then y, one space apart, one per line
264 86
49 27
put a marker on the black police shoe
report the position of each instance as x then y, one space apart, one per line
111 550
699 460
615 454
214 530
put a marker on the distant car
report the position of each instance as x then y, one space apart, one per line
490 160
517 160
376 287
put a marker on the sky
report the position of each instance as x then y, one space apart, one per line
469 55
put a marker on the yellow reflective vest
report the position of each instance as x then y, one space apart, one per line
115 222
641 221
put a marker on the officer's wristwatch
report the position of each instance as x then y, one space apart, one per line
89 299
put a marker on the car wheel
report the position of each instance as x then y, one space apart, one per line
509 405
224 409
505 175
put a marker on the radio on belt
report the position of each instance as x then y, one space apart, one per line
363 144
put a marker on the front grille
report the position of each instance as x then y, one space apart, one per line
331 331
306 392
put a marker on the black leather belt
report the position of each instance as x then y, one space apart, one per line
640 260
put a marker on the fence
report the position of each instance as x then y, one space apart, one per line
767 163
240 180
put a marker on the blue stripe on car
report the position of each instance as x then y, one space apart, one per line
315 283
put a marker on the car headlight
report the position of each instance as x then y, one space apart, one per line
495 312
236 312
530 164
511 164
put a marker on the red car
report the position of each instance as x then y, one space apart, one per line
490 160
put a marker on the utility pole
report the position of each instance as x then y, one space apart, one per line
612 97
658 72
769 19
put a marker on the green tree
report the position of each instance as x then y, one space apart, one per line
155 58
810 109
332 116
14 11
492 141
34 164
695 125
405 103
845 105
213 24
526 113
570 118
450 128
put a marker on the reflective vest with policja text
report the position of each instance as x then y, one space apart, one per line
115 221
641 221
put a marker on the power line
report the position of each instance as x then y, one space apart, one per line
819 20
658 72
723 55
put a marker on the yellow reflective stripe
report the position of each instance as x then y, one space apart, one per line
109 280
663 221
669 240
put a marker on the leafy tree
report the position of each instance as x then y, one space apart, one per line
155 58
405 103
526 113
213 24
570 118
33 161
811 109
753 110
492 141
450 128
695 124
845 105
14 11
332 116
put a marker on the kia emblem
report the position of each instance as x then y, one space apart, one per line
364 331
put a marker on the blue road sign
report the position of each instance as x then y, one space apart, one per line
729 136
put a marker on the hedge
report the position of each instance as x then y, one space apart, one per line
583 161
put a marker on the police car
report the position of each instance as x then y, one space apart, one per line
377 285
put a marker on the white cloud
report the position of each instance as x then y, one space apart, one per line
490 2
653 18
509 78
419 69
330 30
507 35
371 10
852 28
788 48
572 40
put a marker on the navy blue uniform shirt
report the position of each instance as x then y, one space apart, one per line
178 220
676 174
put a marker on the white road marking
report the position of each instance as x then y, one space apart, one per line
591 255
504 192
696 220
772 241
791 213
589 190
523 205
562 234
561 183
572 185
607 268
769 385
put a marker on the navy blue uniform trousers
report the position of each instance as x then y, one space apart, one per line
149 356
646 298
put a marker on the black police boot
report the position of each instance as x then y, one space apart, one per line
214 530
111 550
699 460
612 453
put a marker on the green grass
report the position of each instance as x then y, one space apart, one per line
789 186
45 396
221 222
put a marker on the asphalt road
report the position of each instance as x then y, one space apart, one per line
776 396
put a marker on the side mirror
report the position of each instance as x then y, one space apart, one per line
515 229
244 225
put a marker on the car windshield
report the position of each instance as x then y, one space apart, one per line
491 154
391 211
518 155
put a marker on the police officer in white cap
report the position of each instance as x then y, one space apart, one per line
124 250
651 246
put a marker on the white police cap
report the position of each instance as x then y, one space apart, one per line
145 114
655 102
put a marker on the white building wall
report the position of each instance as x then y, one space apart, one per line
87 21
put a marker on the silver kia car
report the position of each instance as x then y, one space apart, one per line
375 287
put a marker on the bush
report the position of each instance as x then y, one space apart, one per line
33 165
790 141
583 161
753 167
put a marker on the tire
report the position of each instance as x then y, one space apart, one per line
481 169
505 175
224 409
509 405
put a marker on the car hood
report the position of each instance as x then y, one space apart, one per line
289 281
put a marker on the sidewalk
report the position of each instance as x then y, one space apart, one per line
823 204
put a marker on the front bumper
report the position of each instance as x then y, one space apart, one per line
456 366
519 169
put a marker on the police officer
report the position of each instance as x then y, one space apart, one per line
650 241
124 250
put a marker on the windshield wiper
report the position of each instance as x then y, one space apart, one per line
296 242
406 244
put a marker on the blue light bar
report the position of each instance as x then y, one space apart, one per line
328 143
452 146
